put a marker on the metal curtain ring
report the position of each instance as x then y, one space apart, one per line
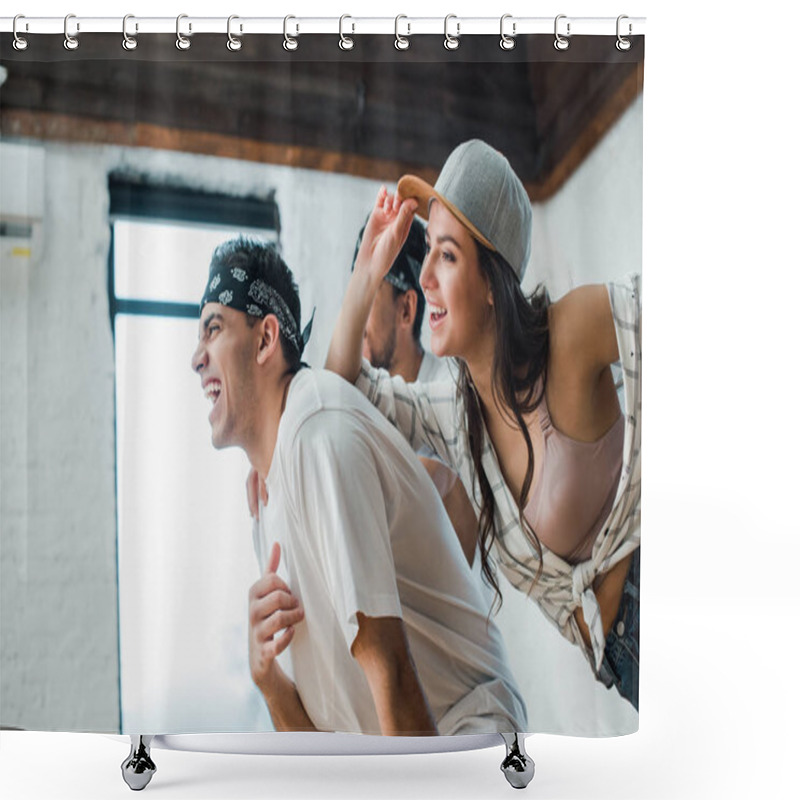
289 42
623 44
401 42
345 42
234 42
451 42
20 43
182 43
561 42
129 42
70 42
507 42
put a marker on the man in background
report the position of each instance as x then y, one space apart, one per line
392 341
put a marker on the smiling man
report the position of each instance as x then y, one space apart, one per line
389 633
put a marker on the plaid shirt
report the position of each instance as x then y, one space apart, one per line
432 415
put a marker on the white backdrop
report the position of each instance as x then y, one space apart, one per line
719 697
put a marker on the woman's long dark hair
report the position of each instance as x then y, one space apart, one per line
519 375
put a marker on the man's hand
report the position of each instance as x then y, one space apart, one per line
273 608
255 488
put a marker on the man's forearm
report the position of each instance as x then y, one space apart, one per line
344 353
402 707
285 706
381 649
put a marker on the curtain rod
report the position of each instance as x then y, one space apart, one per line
404 26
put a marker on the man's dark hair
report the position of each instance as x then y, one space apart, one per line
416 248
262 260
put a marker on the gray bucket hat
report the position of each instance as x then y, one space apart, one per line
479 187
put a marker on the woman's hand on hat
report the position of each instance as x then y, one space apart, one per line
386 230
382 240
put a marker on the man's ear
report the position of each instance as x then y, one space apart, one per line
408 308
268 339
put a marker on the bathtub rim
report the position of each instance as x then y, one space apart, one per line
317 743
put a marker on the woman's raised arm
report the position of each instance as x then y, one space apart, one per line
383 238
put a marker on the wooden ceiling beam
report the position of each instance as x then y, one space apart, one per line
366 119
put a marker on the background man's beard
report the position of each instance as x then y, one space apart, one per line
384 358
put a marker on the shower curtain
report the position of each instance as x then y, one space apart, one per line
127 545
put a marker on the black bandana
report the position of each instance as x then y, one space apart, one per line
233 287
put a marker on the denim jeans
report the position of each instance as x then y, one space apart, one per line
620 666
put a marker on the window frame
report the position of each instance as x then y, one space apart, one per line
139 200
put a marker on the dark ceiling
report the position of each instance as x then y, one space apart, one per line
372 111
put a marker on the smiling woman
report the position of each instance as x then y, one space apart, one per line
456 290
535 385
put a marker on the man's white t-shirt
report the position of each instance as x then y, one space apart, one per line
361 528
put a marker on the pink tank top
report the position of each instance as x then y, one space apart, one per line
576 488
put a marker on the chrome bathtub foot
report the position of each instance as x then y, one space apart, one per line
518 766
138 768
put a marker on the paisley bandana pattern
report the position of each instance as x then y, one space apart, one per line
232 288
